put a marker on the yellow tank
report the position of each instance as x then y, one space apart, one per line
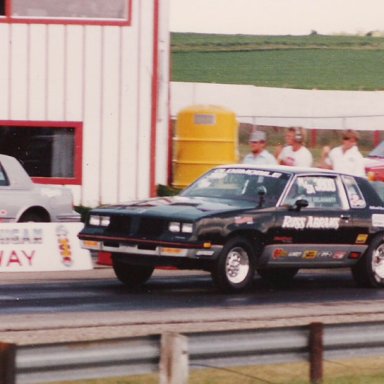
205 136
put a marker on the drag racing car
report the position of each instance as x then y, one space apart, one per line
22 200
237 220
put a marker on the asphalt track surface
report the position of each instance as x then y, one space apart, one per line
90 305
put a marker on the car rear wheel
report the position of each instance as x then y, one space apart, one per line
31 217
278 276
235 267
369 270
131 275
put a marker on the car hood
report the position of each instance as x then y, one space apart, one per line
373 161
178 207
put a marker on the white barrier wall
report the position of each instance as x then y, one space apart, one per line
38 247
287 107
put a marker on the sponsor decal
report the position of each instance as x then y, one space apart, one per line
313 222
311 254
378 208
361 238
283 239
205 253
325 254
317 184
243 220
378 220
294 222
279 252
338 255
354 255
64 245
295 254
356 201
257 172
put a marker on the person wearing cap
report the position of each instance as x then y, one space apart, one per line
346 158
259 155
295 153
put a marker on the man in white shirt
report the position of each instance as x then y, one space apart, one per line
259 155
295 153
345 158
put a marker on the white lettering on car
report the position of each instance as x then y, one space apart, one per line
294 222
323 222
311 222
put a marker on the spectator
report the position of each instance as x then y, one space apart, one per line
345 158
295 153
259 155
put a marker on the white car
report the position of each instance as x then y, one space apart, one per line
22 200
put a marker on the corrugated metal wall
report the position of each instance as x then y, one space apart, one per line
101 76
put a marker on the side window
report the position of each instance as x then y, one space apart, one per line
50 153
319 191
96 12
110 9
355 197
3 177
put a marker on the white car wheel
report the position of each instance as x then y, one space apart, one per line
234 269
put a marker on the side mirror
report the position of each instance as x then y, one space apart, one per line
261 192
299 204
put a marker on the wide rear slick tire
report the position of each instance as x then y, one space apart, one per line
235 267
130 275
369 270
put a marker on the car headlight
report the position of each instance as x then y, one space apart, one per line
99 220
177 227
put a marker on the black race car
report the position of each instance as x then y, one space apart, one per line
239 219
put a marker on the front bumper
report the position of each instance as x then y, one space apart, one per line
210 252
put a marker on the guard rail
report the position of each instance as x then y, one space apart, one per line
140 355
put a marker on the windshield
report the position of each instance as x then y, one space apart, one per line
240 183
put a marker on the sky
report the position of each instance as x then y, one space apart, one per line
277 17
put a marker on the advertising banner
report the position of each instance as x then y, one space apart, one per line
32 247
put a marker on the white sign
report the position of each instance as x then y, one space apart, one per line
33 247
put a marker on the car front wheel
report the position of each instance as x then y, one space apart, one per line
369 270
235 267
131 275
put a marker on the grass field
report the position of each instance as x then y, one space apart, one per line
353 371
305 62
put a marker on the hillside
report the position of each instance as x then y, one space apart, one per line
305 62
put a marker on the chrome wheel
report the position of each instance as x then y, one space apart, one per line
237 265
378 263
369 270
234 269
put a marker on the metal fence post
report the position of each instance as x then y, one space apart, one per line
7 363
174 359
316 352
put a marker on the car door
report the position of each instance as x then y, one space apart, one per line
314 219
